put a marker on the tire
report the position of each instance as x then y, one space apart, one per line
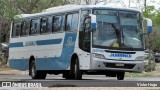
120 75
36 74
76 72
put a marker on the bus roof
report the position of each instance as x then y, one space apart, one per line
67 8
73 7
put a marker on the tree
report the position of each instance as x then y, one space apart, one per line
34 6
10 8
153 39
152 13
7 12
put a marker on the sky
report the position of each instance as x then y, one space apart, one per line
138 4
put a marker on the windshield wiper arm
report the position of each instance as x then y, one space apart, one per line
118 34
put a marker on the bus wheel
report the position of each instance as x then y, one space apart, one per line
76 71
36 74
120 75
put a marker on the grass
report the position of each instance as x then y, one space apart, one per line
144 74
155 73
4 68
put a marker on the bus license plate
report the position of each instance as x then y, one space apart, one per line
119 64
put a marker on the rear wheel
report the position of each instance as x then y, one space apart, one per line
36 74
120 75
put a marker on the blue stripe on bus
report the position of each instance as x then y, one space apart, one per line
39 42
50 63
17 44
48 42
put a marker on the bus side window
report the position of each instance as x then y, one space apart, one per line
49 24
72 22
34 27
25 28
16 29
75 20
44 25
68 22
58 23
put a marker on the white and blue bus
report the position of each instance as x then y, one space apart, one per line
75 40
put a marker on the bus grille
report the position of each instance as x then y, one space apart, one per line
113 65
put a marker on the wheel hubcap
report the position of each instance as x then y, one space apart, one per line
33 71
75 69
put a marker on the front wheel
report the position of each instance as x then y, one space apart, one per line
120 75
36 74
75 70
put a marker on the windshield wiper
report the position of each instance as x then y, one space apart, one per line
118 34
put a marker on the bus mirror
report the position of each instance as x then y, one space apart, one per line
93 22
149 25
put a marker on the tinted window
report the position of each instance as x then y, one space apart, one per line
83 15
72 22
49 24
75 21
25 27
58 23
16 29
34 27
69 23
84 34
44 25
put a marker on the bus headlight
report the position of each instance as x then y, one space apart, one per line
101 56
140 58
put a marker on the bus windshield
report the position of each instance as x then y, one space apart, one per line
118 29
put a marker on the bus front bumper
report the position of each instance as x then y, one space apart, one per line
118 65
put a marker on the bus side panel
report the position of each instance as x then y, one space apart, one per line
51 61
20 64
62 62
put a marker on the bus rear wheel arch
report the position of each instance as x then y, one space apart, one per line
34 73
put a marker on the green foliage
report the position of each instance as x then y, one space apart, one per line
44 4
157 18
10 8
154 37
7 10
149 11
34 6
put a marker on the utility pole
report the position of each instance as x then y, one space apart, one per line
129 3
145 5
150 51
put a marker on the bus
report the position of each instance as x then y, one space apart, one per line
74 40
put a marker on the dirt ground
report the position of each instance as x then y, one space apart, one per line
155 73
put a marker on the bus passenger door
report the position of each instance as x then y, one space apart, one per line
85 41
